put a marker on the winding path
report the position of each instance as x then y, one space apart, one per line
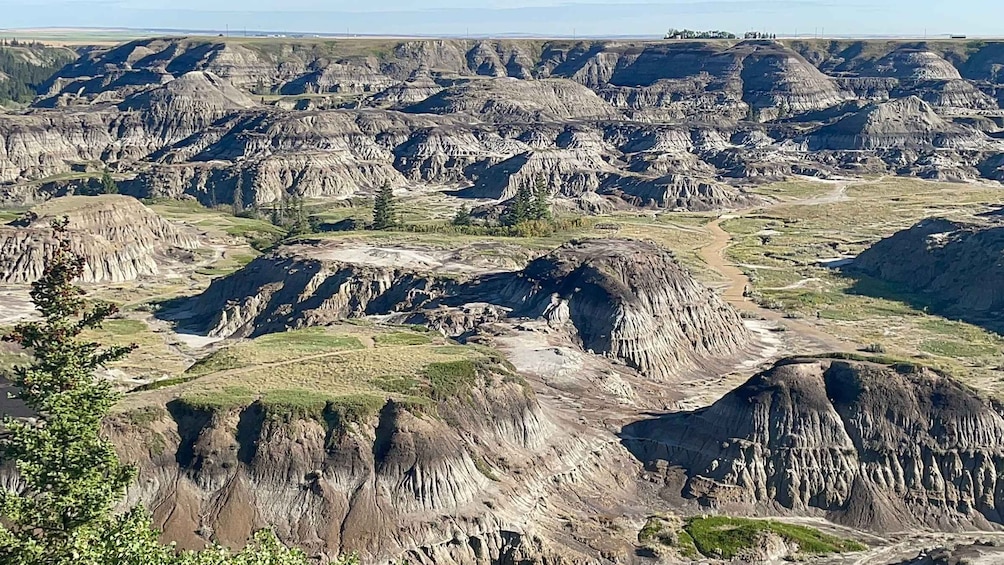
714 255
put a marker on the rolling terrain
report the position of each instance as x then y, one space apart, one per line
760 325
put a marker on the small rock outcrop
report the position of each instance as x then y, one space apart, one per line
953 267
873 446
119 238
626 299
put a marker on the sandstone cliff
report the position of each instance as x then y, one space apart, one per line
430 483
118 237
885 448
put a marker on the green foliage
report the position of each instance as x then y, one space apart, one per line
401 339
71 477
519 209
23 77
108 185
727 538
290 216
449 378
540 208
384 209
397 384
463 217
529 228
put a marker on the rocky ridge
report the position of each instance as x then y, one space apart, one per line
952 267
118 237
661 124
873 446
622 298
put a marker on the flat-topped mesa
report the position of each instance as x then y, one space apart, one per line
954 267
873 446
346 473
119 238
623 298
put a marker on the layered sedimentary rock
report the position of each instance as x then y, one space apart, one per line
872 446
623 298
335 482
118 237
674 119
952 267
509 99
627 299
906 122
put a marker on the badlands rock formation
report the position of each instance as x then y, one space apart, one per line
118 237
885 448
660 124
622 298
954 268
426 484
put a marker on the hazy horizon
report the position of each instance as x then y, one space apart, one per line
529 17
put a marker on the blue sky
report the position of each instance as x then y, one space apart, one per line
543 17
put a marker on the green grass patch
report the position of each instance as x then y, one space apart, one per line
401 339
224 399
405 385
727 538
124 327
274 348
958 349
450 378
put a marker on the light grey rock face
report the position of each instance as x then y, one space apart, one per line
953 266
510 99
903 123
885 448
623 298
657 123
118 237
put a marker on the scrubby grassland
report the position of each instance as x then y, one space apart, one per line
723 537
352 367
781 248
153 360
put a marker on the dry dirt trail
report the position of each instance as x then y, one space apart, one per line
714 255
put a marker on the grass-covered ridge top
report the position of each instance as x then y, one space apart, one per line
347 369
724 537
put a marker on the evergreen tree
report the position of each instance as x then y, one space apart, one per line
463 216
108 185
540 208
384 212
239 195
519 208
71 477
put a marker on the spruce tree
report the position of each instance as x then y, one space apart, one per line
519 207
384 212
108 185
463 216
540 208
70 476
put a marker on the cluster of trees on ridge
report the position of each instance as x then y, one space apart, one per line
20 78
